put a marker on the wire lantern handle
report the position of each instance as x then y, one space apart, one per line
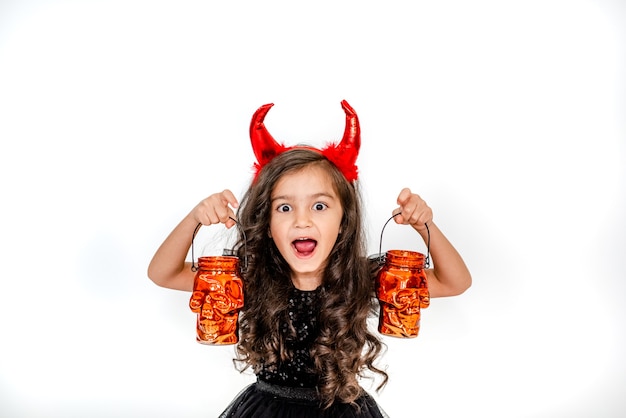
380 247
194 268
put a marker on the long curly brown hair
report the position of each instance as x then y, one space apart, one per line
345 348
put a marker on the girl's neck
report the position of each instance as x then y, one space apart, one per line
306 282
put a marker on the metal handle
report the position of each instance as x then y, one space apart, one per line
194 268
380 247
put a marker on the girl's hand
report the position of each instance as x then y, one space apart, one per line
216 208
413 210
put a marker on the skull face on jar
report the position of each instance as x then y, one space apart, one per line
216 299
402 291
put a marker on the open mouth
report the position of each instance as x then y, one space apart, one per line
304 246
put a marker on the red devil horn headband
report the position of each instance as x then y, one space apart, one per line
342 155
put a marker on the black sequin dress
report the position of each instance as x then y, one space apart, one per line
288 389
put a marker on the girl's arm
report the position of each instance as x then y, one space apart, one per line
449 276
168 267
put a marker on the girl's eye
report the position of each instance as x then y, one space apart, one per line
320 206
284 208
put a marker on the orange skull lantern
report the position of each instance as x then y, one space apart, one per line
216 299
402 291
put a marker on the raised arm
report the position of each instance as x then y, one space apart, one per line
449 276
168 267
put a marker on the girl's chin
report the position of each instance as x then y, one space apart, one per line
306 270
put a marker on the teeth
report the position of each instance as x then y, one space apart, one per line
305 245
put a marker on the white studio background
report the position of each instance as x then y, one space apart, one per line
117 117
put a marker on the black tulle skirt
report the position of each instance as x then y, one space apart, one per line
264 400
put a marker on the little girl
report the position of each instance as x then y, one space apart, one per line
309 287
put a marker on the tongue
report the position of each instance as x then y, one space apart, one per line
305 245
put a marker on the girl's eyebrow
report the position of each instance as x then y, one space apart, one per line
313 196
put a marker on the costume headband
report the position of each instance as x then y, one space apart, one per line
342 155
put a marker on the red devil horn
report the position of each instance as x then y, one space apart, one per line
351 141
264 145
345 153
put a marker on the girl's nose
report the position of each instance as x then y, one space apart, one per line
303 218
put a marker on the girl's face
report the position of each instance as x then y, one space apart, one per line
305 219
